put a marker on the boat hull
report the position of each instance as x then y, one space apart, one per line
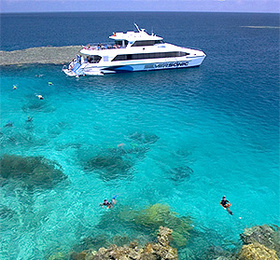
93 70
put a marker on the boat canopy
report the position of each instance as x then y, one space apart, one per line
132 36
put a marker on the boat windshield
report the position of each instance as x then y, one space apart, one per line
121 43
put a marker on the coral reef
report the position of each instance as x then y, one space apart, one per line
61 147
6 213
112 163
92 242
180 173
31 172
120 240
130 151
158 215
21 139
109 166
58 256
101 248
36 105
218 253
151 251
266 235
257 251
56 129
144 138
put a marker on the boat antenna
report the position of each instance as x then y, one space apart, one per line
137 27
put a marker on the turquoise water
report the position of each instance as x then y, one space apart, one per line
219 121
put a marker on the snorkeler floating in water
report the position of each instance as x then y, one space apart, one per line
109 204
29 119
226 205
105 203
9 124
40 96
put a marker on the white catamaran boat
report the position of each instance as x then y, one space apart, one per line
132 51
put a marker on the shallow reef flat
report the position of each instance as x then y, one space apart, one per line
262 27
39 55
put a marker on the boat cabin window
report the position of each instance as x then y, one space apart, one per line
122 43
143 43
93 58
146 43
159 41
155 55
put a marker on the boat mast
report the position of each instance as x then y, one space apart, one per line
137 27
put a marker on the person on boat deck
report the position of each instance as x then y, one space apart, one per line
226 204
79 58
71 65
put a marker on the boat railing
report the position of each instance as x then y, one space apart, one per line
102 46
194 48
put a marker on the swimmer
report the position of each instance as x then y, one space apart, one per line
109 204
226 205
50 83
120 145
40 96
113 201
106 203
29 119
9 124
14 87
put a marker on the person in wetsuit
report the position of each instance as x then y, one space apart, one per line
106 203
109 204
226 205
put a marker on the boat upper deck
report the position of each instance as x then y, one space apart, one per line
124 40
132 36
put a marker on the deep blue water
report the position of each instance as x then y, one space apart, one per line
220 120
